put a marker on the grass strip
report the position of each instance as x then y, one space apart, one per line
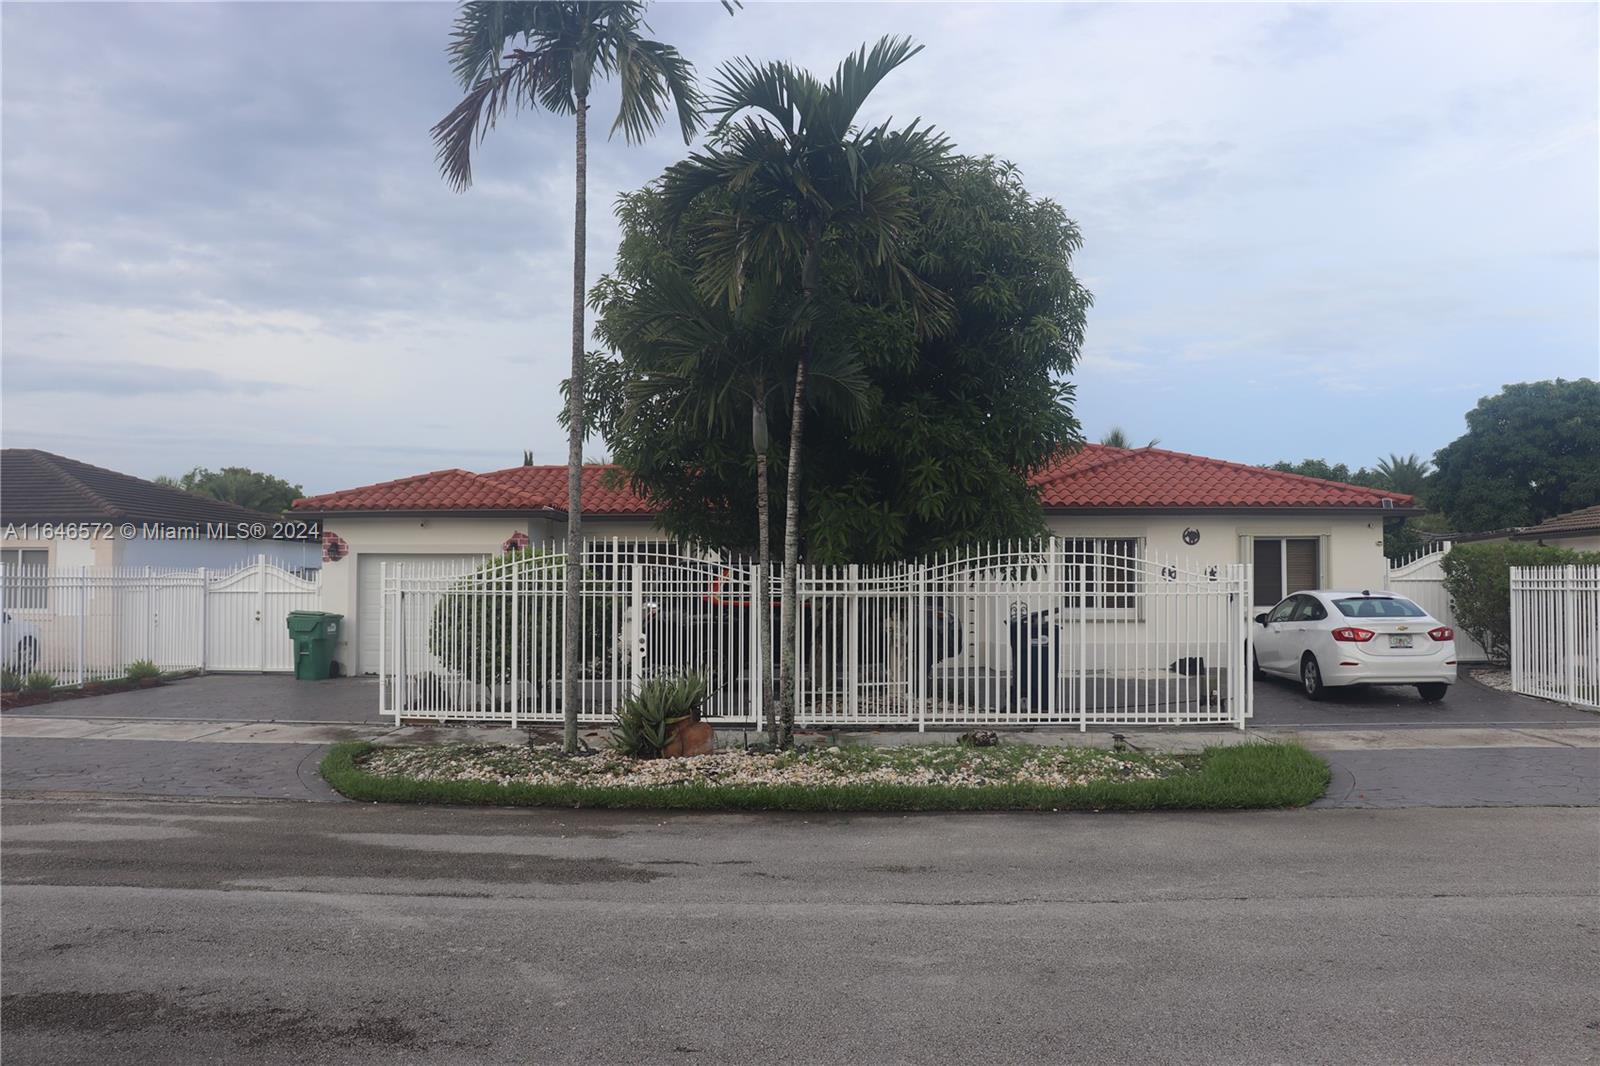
1248 776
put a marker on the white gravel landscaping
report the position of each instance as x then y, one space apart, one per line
943 765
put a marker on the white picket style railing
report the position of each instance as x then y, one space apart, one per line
1063 632
82 624
1555 633
1420 579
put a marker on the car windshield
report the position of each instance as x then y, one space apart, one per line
1377 607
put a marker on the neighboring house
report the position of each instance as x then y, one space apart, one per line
1295 532
1576 531
57 512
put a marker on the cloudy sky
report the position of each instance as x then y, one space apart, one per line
1310 231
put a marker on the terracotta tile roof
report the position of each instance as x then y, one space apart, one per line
517 488
1133 478
1571 524
37 486
1096 477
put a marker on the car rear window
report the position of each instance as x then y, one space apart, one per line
1378 607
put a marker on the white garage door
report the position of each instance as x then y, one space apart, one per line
369 604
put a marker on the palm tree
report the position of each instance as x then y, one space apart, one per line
700 360
548 54
804 177
1116 438
1404 473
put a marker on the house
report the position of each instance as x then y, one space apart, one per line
1295 532
1576 531
59 513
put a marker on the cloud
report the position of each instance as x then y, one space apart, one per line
222 221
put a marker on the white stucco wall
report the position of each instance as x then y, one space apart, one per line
1353 555
402 535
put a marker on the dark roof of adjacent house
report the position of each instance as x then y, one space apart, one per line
1094 478
1572 524
38 486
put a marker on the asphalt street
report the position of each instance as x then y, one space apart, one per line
266 932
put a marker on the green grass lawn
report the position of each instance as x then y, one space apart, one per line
932 778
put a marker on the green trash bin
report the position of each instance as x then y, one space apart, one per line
314 634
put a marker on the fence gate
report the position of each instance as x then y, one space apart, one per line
1555 633
87 623
1064 632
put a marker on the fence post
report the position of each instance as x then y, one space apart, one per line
1569 635
852 640
919 632
205 615
83 621
151 618
1083 645
1514 651
261 610
636 574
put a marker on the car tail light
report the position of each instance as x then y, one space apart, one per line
1352 635
1442 633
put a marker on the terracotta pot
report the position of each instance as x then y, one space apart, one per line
690 737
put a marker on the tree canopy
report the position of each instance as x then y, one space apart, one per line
240 485
952 422
1530 452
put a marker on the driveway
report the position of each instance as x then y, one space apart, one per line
1282 704
232 698
253 932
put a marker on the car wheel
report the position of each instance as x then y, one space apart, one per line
27 655
1311 678
1433 691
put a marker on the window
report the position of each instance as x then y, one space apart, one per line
1102 572
1308 609
26 581
1378 607
1283 565
1282 612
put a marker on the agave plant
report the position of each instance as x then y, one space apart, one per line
645 720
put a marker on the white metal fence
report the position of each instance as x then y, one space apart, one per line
1067 632
1555 633
87 623
1420 579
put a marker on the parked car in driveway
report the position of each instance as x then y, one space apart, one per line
1329 639
19 644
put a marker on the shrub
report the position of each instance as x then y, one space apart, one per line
10 681
477 633
142 670
645 720
39 681
1478 579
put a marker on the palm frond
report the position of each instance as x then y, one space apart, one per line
857 76
468 122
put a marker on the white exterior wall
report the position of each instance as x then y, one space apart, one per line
404 535
1589 542
1352 554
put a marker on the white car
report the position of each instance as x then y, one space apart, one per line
1327 639
19 644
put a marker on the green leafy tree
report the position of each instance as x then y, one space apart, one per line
1530 452
954 422
807 180
1321 468
548 54
240 485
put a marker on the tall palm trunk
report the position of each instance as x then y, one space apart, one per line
571 595
761 592
791 553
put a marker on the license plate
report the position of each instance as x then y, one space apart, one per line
1400 641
